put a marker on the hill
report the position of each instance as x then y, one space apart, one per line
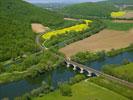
85 10
16 35
121 2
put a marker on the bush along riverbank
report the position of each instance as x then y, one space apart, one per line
65 88
83 57
30 67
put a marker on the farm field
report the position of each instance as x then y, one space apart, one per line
85 91
38 28
76 28
129 14
118 14
122 14
104 40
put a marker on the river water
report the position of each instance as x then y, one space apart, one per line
61 74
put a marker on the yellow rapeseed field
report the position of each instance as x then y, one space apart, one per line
118 14
76 28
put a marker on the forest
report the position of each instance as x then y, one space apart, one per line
17 37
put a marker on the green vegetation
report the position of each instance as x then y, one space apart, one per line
64 39
89 10
114 86
87 56
129 8
16 36
121 2
87 90
83 57
20 57
65 90
118 26
31 66
121 71
64 24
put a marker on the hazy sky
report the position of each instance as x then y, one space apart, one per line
60 1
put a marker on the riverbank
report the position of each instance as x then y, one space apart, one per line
88 89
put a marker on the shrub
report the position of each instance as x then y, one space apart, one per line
125 62
65 90
77 78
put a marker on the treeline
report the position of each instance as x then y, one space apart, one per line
120 2
89 10
59 41
83 57
129 8
16 35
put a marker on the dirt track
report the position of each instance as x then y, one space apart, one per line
104 40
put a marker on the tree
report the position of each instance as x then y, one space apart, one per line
2 69
125 62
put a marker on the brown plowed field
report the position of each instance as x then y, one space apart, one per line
38 28
104 40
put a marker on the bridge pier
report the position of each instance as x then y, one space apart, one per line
74 67
81 70
89 74
68 64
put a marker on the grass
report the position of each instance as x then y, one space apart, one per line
114 86
118 14
124 71
85 90
118 26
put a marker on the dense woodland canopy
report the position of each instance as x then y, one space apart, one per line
89 9
99 9
121 2
16 36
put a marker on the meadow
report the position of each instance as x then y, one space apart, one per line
86 90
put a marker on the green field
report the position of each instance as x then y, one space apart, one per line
123 71
118 26
85 91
